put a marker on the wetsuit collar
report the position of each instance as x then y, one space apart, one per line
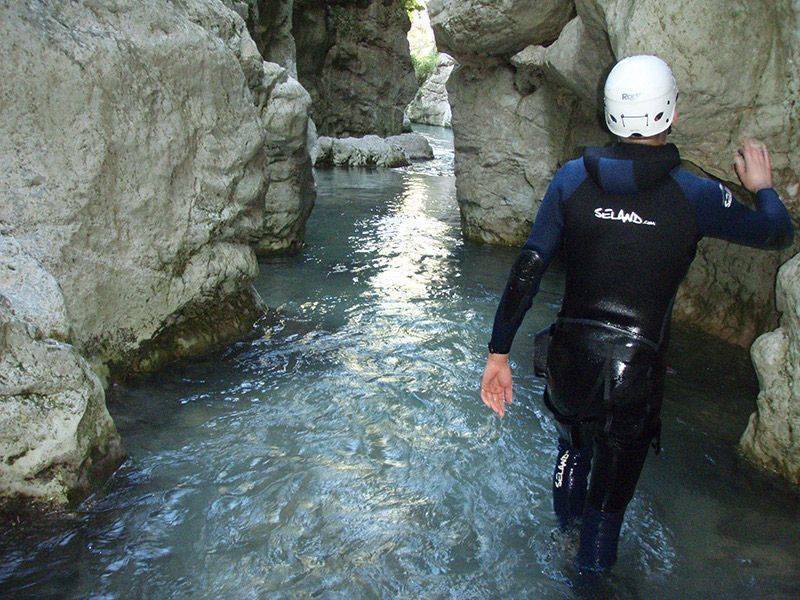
624 168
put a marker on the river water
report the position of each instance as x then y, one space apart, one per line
345 452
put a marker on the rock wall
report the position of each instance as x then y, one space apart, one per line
353 57
270 24
56 435
772 438
137 165
146 148
528 92
431 105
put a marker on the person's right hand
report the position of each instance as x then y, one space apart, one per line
496 383
753 165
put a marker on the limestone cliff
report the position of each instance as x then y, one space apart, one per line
146 148
56 435
141 145
772 438
430 105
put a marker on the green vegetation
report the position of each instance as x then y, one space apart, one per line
412 5
424 64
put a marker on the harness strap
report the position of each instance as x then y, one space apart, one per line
636 336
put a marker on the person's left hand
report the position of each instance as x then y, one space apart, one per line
753 165
496 383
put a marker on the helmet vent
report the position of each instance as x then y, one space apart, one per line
658 117
613 118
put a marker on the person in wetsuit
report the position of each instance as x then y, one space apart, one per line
628 217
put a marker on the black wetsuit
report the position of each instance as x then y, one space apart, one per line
629 218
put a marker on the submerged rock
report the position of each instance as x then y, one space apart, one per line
367 151
431 106
56 435
772 438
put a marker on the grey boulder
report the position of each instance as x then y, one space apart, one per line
366 151
772 437
56 435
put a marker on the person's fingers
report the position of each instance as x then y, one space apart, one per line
751 152
485 398
508 394
496 403
740 165
501 408
768 158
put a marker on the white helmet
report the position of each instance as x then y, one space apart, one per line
640 96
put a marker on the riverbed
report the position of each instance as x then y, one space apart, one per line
344 451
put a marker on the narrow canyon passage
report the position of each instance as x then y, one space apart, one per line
346 452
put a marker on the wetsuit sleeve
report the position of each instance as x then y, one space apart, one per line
721 215
526 273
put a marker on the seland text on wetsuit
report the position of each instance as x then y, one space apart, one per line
629 219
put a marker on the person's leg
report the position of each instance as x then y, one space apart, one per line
571 474
613 482
620 451
572 369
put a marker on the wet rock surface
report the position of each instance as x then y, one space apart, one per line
772 438
146 148
56 435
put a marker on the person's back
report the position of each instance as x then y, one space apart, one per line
629 238
629 218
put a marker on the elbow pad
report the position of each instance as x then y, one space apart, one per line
526 273
523 283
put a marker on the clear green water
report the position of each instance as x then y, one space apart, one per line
346 454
